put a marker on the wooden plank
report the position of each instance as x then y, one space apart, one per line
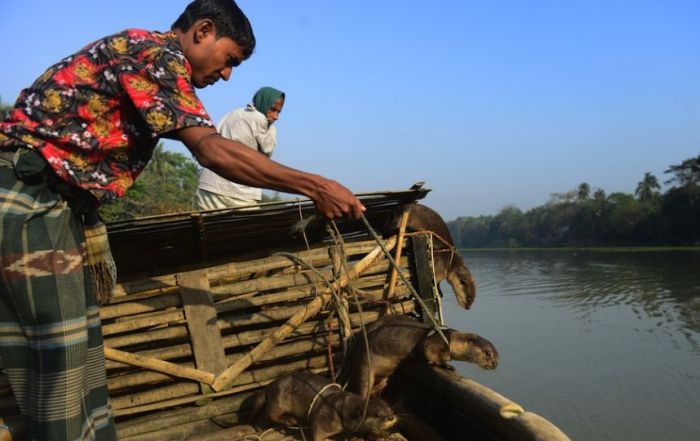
424 274
202 323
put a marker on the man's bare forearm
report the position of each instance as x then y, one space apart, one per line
236 162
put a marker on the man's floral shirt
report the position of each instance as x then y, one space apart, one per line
96 116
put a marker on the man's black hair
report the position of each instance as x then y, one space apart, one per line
228 19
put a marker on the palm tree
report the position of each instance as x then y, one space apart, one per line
599 195
583 191
645 189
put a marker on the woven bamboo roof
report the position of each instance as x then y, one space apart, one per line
160 244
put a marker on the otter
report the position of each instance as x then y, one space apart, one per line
302 397
449 265
395 338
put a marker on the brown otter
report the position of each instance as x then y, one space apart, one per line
395 338
303 396
449 265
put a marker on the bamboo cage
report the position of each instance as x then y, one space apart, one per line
211 306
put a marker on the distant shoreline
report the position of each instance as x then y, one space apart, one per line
601 249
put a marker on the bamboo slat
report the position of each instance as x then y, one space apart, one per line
135 304
142 289
227 377
180 390
399 248
313 345
297 348
159 365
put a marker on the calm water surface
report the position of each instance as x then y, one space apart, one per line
604 345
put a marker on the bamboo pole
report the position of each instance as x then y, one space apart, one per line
399 249
180 390
172 332
159 365
179 332
146 322
136 310
236 433
235 271
189 400
225 402
144 288
304 278
182 415
225 378
146 305
239 339
178 432
158 300
311 345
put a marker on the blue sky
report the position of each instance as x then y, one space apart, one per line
489 102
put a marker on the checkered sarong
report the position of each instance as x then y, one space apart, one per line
50 338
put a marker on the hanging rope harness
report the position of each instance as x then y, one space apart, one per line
318 396
341 306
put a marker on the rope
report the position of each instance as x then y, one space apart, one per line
256 437
451 248
318 395
338 238
334 292
303 230
338 241
329 347
426 311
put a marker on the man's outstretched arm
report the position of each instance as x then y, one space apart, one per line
236 162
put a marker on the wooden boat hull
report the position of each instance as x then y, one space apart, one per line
461 408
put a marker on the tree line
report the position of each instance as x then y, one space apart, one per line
581 217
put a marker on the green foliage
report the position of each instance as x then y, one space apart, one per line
645 188
166 185
271 198
583 191
4 107
686 174
573 218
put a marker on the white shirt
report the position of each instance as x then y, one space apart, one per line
250 127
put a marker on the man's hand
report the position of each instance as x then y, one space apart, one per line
335 201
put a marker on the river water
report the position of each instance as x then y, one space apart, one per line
606 345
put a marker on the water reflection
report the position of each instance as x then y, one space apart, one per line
661 286
605 345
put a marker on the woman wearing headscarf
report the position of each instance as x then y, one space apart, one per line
253 126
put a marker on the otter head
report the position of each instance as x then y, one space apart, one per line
462 282
378 418
474 349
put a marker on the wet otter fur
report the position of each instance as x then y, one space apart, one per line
449 265
395 338
287 401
